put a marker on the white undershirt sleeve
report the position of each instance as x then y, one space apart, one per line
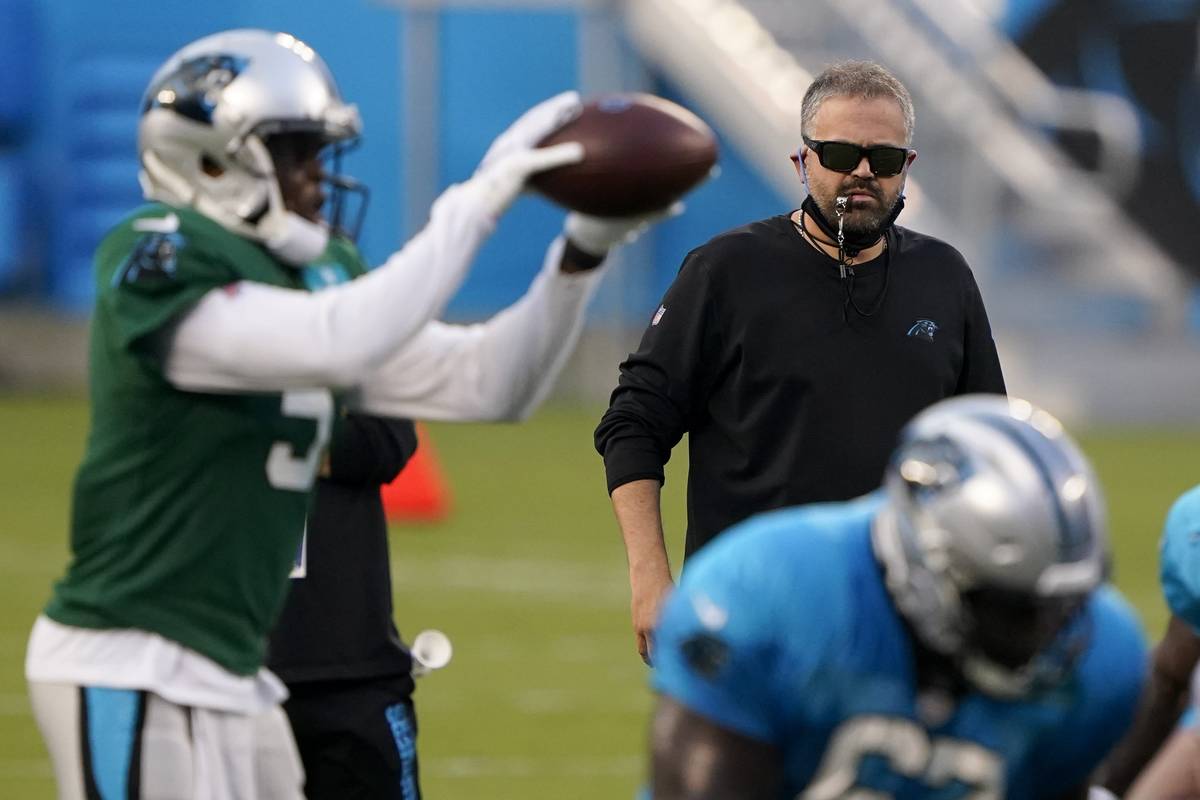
255 337
498 370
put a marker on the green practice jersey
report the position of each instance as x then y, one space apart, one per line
188 507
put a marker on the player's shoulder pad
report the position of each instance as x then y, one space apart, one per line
340 262
157 244
166 219
768 600
1179 558
1114 667
1097 703
779 561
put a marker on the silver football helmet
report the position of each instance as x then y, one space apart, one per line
205 117
993 536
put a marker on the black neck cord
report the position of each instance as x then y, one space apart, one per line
846 272
887 259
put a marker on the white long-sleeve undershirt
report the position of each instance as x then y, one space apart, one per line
275 338
375 334
500 369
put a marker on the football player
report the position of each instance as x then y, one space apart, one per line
216 377
949 635
1172 772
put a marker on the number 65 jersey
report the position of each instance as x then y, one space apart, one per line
188 507
782 630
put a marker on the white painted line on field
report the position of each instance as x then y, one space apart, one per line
14 641
536 702
566 582
559 701
567 649
15 704
545 701
496 648
24 768
25 558
581 649
521 767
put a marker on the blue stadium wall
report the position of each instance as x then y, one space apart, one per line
72 73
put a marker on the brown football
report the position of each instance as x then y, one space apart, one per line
641 153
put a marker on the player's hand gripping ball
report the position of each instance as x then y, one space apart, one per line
641 154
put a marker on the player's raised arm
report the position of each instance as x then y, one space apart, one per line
1156 757
503 368
640 155
1162 703
254 336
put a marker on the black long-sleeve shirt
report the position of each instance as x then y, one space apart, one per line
337 622
788 393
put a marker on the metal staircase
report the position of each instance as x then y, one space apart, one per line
1047 238
1090 313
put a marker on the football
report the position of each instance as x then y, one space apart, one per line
641 153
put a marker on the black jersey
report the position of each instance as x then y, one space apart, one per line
337 621
789 392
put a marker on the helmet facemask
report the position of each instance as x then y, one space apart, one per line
348 197
307 171
1019 643
207 118
992 540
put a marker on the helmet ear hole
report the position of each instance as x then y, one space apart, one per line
210 167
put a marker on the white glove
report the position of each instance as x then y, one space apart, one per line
597 235
514 155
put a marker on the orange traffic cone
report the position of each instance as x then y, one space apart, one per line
419 492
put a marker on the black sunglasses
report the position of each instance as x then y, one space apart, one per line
884 160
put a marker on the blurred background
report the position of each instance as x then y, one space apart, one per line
1059 146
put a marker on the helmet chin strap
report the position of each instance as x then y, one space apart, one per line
297 240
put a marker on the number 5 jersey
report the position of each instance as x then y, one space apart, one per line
189 506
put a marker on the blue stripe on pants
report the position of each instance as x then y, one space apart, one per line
112 720
406 746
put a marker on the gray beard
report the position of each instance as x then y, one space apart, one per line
861 223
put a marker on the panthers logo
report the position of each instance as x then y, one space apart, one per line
923 329
934 466
152 261
193 88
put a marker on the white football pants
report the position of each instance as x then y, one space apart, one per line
126 744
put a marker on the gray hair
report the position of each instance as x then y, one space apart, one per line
864 79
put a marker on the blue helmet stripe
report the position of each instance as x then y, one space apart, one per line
1054 466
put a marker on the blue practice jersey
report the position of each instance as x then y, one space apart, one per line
782 630
1179 558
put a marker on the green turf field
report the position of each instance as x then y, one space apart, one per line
545 697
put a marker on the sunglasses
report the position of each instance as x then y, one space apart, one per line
884 160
